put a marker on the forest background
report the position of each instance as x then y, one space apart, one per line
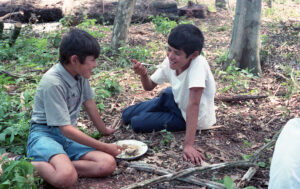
250 109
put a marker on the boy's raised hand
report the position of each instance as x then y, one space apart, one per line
139 68
192 154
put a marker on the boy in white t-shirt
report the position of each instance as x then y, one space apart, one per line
189 103
285 165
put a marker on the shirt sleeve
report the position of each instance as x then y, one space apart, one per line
56 109
198 72
160 75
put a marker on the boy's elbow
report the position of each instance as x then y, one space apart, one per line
148 88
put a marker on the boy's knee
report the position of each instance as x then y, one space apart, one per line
167 91
66 178
125 116
136 125
108 167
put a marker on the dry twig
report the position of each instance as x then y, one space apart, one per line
252 170
189 171
161 171
239 98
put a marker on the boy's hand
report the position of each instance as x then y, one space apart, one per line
139 68
114 149
109 130
190 153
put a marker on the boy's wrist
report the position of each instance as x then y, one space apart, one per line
144 76
188 143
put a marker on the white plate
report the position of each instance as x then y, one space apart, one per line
142 149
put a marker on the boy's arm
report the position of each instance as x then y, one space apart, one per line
80 137
139 69
189 152
92 110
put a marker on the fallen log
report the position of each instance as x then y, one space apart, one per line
193 10
11 14
28 11
2 18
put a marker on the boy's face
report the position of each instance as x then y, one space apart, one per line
86 69
178 60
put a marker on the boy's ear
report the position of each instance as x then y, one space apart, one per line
194 54
74 59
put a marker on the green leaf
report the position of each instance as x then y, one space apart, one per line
250 187
228 182
261 164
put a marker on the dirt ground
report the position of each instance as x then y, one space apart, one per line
242 126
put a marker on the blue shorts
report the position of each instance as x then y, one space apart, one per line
46 141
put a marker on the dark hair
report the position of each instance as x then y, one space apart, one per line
78 42
186 37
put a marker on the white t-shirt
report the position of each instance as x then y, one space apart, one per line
198 74
285 165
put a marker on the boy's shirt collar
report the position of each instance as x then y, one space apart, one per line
67 76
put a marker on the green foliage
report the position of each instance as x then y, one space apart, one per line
127 53
247 143
31 52
222 28
228 182
292 83
94 134
163 24
250 187
18 175
246 156
269 11
14 123
104 87
211 8
66 21
167 137
238 78
261 164
87 24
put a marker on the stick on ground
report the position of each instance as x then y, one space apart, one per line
189 171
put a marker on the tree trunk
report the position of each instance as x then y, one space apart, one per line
15 33
121 23
245 41
221 4
1 28
270 3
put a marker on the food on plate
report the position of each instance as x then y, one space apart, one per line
130 150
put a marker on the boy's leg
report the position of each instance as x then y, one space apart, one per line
137 109
157 104
59 171
156 121
46 146
166 115
95 164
